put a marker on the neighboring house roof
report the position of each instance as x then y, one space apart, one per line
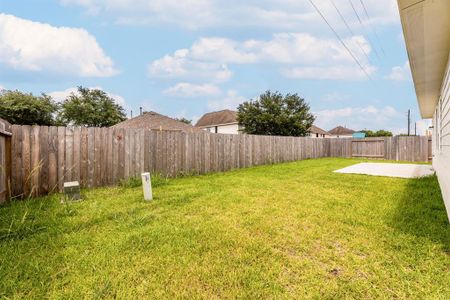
341 131
217 118
154 121
314 129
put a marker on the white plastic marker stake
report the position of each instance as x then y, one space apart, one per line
147 186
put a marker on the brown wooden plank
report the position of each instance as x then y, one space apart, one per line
132 152
17 176
84 157
97 156
35 161
103 156
114 155
121 154
153 151
109 156
61 157
91 157
76 154
53 159
22 156
127 145
43 158
7 165
142 151
69 155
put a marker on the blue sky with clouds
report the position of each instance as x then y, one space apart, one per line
185 58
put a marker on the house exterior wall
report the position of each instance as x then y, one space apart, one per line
441 137
226 129
341 136
318 135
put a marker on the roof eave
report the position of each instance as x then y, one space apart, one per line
426 28
211 125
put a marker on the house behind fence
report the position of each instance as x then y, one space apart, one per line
43 158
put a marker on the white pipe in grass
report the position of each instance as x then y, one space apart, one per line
147 186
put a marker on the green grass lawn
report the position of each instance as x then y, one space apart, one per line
293 230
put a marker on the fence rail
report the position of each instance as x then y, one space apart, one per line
43 158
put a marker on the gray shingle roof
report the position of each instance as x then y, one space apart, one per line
314 129
217 117
340 130
154 121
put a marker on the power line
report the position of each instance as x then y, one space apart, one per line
374 30
340 40
362 24
351 31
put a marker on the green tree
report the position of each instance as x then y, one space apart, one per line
26 109
276 114
383 133
91 107
379 133
184 120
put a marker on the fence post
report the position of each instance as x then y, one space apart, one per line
5 160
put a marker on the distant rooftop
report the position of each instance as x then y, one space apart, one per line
154 121
340 130
225 116
314 129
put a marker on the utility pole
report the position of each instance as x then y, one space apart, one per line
409 122
415 128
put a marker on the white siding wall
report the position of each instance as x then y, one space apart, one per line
441 137
341 136
226 129
321 136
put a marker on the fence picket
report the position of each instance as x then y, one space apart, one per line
43 158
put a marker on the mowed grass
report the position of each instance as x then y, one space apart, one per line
293 230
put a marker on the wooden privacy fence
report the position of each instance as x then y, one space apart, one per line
400 148
43 158
5 156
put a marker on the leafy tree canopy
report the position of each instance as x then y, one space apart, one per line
91 107
26 109
276 114
184 120
379 133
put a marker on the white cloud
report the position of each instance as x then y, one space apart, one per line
284 48
60 96
224 50
231 101
184 89
181 66
335 97
307 56
357 118
34 46
206 14
329 73
400 73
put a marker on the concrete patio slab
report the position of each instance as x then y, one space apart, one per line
389 170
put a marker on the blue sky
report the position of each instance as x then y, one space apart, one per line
185 59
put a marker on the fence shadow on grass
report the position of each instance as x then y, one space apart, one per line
421 211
